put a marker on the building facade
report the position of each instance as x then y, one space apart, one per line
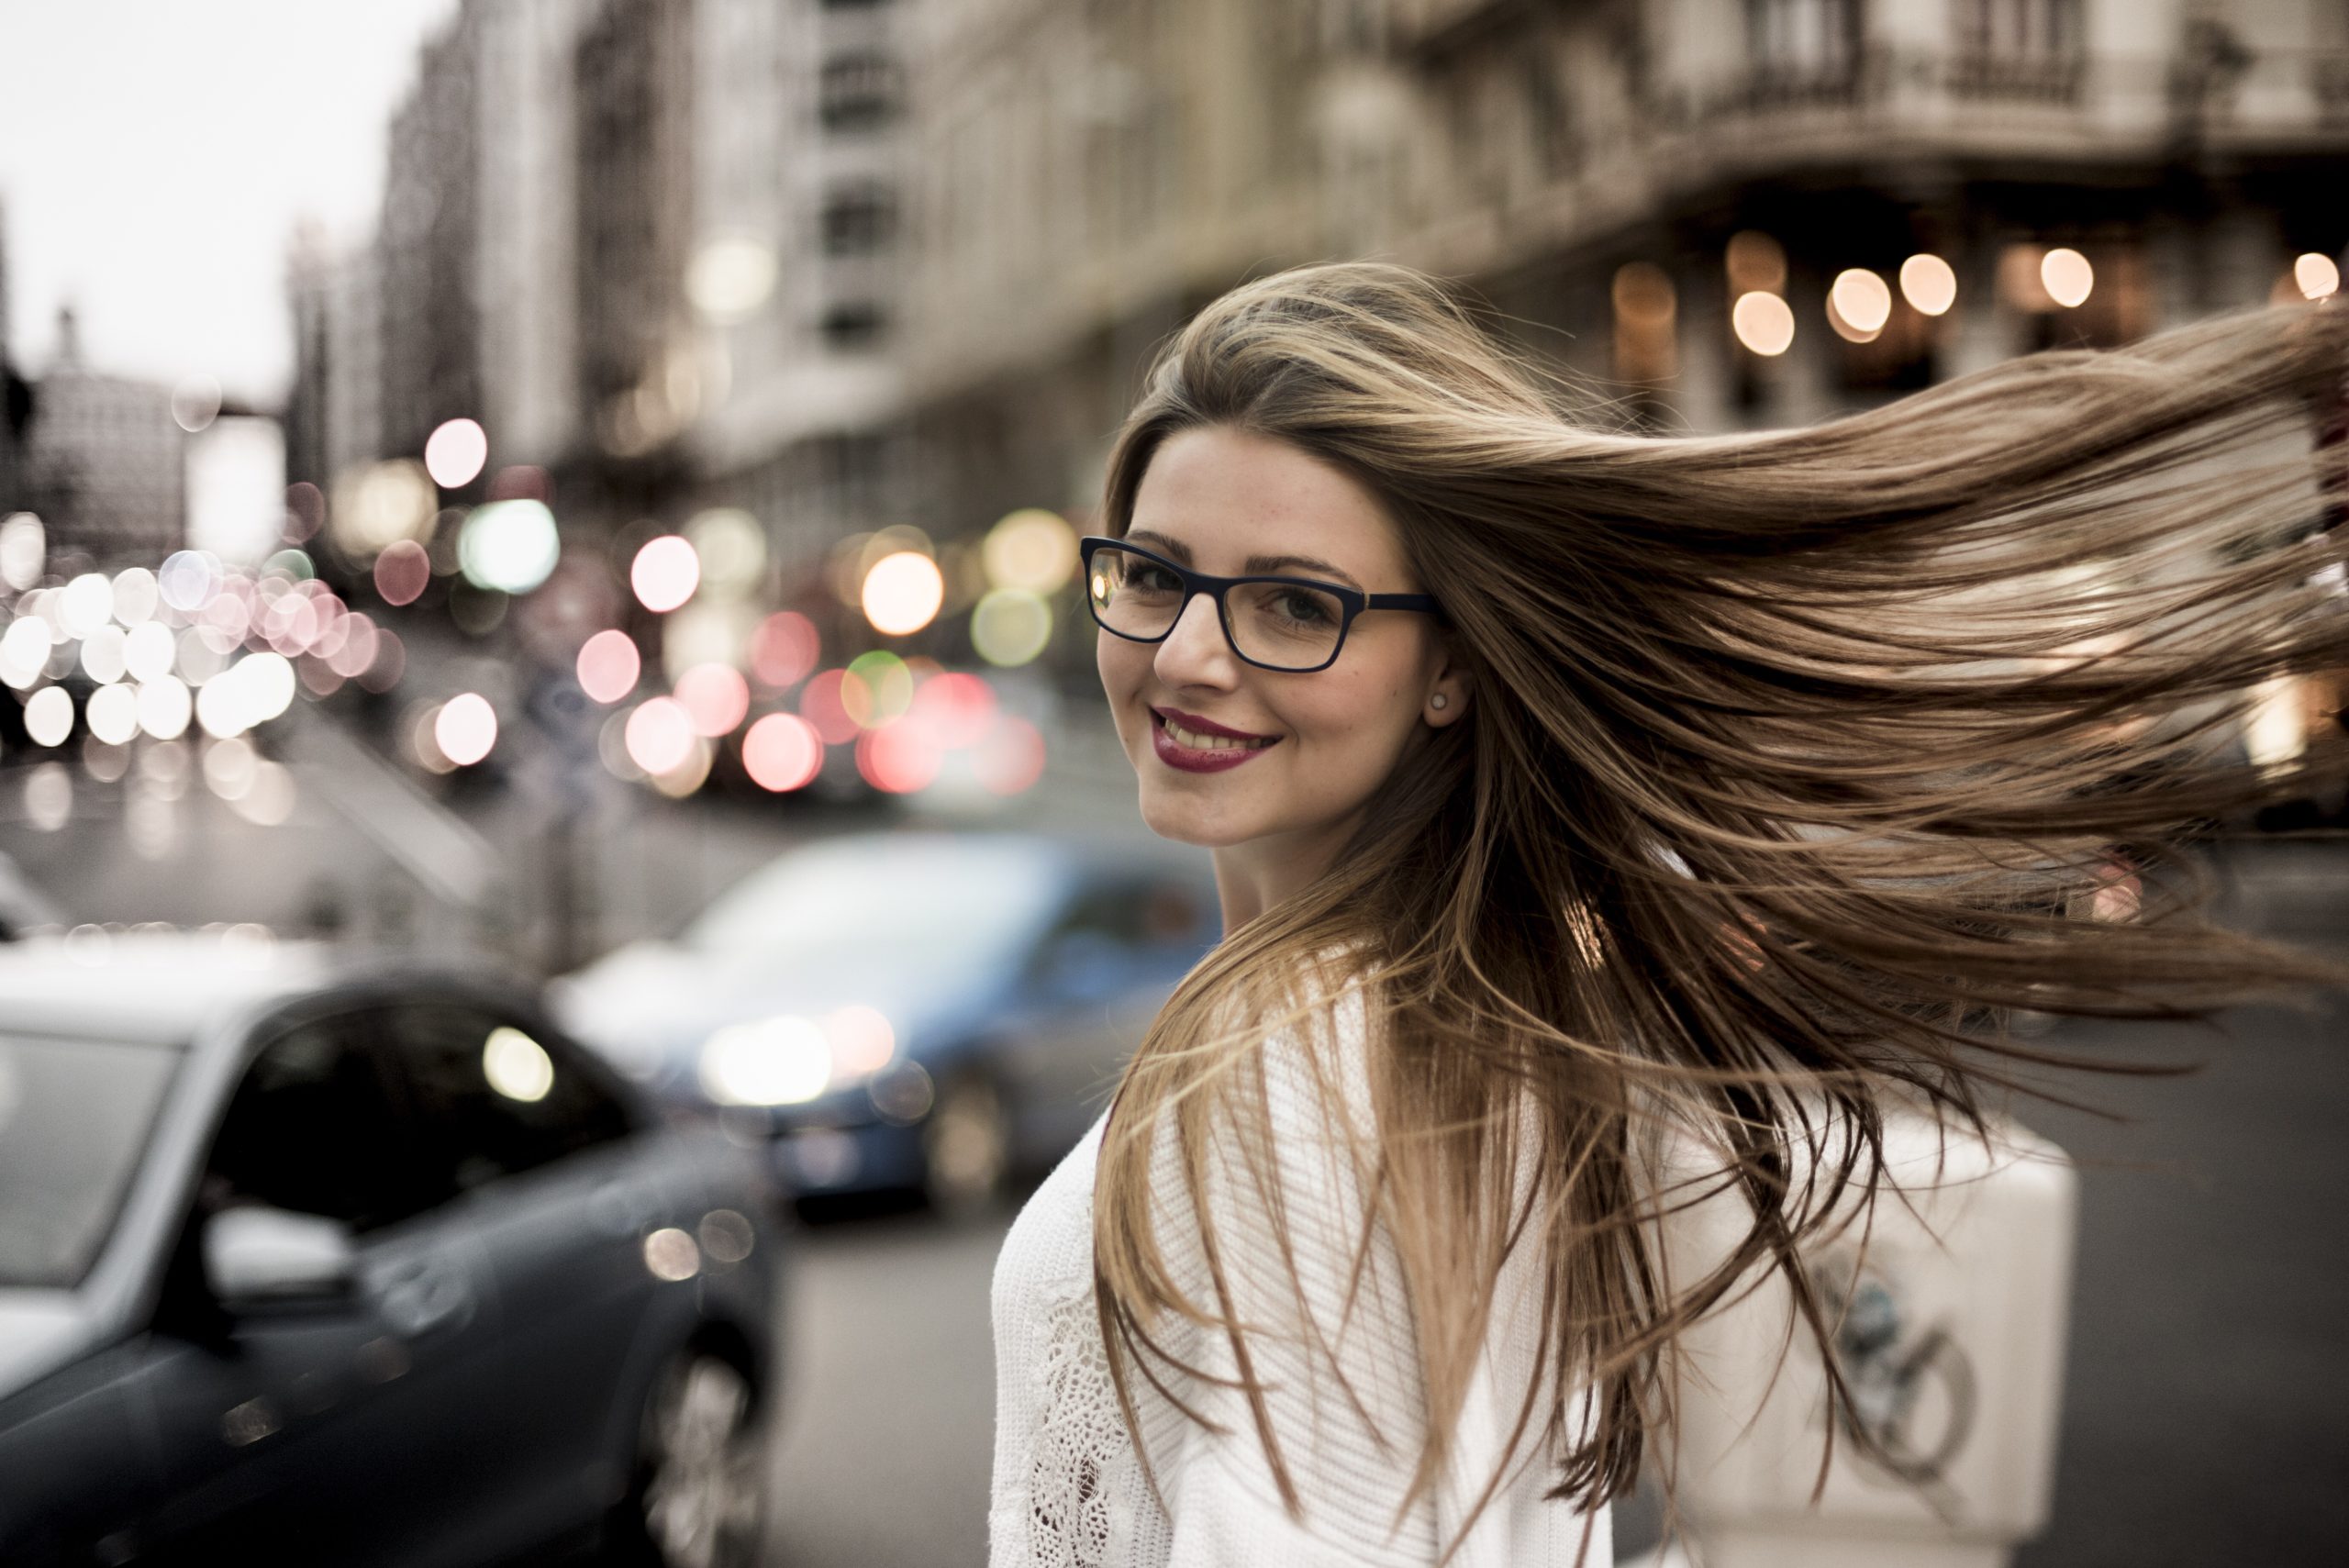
1090 174
849 263
104 464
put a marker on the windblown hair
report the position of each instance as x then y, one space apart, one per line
1795 761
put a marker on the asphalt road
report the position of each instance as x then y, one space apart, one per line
887 1418
2205 1406
2206 1398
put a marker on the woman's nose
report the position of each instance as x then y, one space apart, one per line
1195 653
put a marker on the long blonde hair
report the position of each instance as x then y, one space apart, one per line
1794 758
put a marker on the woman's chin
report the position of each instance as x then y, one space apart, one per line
1186 819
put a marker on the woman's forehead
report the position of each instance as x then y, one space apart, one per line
1226 496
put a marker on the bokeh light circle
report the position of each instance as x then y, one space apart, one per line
103 658
1031 548
87 604
821 705
782 752
2315 276
165 708
1011 759
664 574
48 715
455 453
2067 276
609 665
1862 299
1764 323
715 697
112 713
785 649
465 729
511 546
660 735
899 759
1010 627
730 546
957 709
902 592
402 571
876 689
1929 283
135 594
148 653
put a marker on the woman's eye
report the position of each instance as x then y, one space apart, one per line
1304 608
1152 580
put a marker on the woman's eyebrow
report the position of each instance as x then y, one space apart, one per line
1254 563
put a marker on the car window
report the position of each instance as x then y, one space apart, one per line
1140 914
493 1099
74 1115
858 907
313 1128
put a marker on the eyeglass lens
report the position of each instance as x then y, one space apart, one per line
1278 623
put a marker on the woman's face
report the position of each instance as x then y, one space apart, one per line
1233 504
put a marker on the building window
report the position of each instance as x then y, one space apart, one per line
854 324
1805 40
860 220
859 92
2019 49
2019 28
1549 116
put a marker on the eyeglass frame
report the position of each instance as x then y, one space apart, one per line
1352 601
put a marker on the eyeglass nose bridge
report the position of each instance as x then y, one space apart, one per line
1216 613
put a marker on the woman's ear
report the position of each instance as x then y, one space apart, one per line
1446 700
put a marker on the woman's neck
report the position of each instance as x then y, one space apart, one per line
1252 877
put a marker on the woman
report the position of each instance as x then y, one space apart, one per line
1578 800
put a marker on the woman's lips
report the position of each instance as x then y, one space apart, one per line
1199 759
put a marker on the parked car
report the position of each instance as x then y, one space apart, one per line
911 1011
304 1264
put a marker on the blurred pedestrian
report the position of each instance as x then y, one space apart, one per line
1578 798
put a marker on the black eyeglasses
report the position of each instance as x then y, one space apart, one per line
1291 624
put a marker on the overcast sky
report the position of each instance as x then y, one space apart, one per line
156 154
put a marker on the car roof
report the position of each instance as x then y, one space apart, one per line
160 987
1094 852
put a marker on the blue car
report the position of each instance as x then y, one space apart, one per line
303 1263
929 1012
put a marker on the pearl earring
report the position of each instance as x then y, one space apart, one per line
1439 701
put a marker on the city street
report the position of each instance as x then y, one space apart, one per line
2206 1364
2207 1368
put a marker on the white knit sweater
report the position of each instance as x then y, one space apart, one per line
1068 1487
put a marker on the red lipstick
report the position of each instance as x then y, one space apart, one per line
1197 759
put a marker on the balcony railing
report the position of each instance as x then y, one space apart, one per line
2036 78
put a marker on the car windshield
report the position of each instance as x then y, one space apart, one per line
849 906
74 1118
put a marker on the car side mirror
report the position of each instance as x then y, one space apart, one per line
257 1256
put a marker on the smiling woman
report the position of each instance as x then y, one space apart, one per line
1178 672
1724 800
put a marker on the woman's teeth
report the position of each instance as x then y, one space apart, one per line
1198 742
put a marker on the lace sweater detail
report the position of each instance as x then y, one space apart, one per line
1077 1440
1337 1357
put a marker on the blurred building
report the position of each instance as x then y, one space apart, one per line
104 461
654 246
16 396
799 272
841 263
426 246
1615 177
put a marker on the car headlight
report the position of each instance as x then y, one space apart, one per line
788 1061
